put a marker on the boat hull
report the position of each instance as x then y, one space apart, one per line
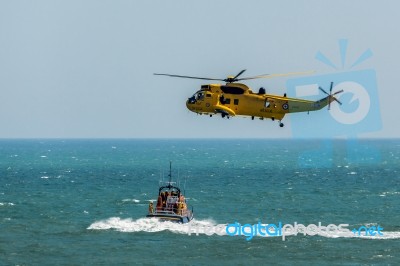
171 217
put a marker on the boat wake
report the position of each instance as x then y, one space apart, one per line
151 225
207 227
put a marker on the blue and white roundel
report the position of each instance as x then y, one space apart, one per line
285 106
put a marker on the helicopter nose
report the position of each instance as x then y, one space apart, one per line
189 104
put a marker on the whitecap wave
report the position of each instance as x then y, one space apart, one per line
131 200
386 193
6 204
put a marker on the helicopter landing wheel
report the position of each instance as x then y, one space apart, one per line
281 124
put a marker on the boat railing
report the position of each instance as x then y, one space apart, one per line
163 212
183 212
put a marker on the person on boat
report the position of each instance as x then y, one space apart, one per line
151 210
164 199
166 195
159 203
182 198
179 210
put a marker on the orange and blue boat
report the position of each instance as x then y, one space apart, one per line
171 203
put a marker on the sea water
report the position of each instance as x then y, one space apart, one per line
74 202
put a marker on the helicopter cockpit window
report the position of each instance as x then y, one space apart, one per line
199 96
267 104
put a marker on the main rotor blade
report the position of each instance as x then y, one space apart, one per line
240 73
188 77
267 76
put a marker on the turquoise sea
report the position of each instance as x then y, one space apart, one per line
83 202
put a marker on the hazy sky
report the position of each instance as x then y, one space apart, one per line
84 69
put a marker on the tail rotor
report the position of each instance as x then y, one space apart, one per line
331 96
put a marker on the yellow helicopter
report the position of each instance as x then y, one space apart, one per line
237 99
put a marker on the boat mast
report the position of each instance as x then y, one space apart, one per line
170 173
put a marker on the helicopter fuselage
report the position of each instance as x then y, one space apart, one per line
237 99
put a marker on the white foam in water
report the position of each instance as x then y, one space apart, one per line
206 227
131 200
384 194
386 235
6 204
150 225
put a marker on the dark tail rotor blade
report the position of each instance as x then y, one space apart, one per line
331 96
338 101
338 92
323 90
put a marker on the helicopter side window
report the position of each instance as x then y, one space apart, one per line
232 90
267 104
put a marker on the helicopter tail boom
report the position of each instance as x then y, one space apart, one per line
301 106
298 105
